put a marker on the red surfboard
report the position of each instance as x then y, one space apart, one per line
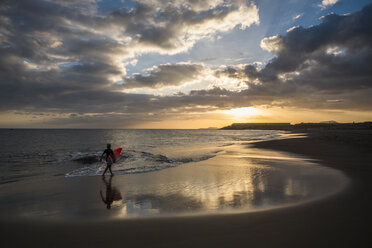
117 152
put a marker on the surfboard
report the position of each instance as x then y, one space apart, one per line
116 152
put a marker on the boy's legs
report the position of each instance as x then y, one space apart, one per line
109 167
104 172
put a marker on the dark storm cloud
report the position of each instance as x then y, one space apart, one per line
309 51
175 26
59 57
92 48
66 55
314 65
164 75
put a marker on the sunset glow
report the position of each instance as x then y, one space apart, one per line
161 64
249 111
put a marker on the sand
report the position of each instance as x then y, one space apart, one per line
342 220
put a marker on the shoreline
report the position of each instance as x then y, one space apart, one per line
339 220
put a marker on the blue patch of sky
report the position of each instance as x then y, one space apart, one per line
71 64
276 17
107 6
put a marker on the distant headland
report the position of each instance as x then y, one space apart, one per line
300 126
210 128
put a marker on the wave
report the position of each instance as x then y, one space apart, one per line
130 162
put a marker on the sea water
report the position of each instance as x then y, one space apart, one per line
28 153
57 174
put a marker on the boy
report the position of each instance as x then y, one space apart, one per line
110 159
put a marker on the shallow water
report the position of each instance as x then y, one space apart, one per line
32 153
237 180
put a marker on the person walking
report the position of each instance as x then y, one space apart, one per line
110 159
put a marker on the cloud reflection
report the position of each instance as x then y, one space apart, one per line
230 183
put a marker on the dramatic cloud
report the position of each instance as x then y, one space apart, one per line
324 66
54 32
164 75
72 61
67 56
171 28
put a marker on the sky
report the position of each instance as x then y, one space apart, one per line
183 63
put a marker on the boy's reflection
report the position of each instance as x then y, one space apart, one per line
112 194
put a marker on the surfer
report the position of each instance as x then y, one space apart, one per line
110 159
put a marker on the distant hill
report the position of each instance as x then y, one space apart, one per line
299 126
329 122
264 126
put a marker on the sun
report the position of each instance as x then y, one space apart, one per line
242 112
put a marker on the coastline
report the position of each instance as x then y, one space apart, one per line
340 220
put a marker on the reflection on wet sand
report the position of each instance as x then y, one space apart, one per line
150 204
112 193
229 183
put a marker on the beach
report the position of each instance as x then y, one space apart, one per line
177 124
341 219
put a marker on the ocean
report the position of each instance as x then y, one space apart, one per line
31 153
56 174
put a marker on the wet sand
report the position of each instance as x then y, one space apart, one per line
342 220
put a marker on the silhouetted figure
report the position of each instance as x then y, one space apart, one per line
110 159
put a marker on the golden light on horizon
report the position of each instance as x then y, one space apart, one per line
242 112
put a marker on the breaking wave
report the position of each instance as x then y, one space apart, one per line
130 162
